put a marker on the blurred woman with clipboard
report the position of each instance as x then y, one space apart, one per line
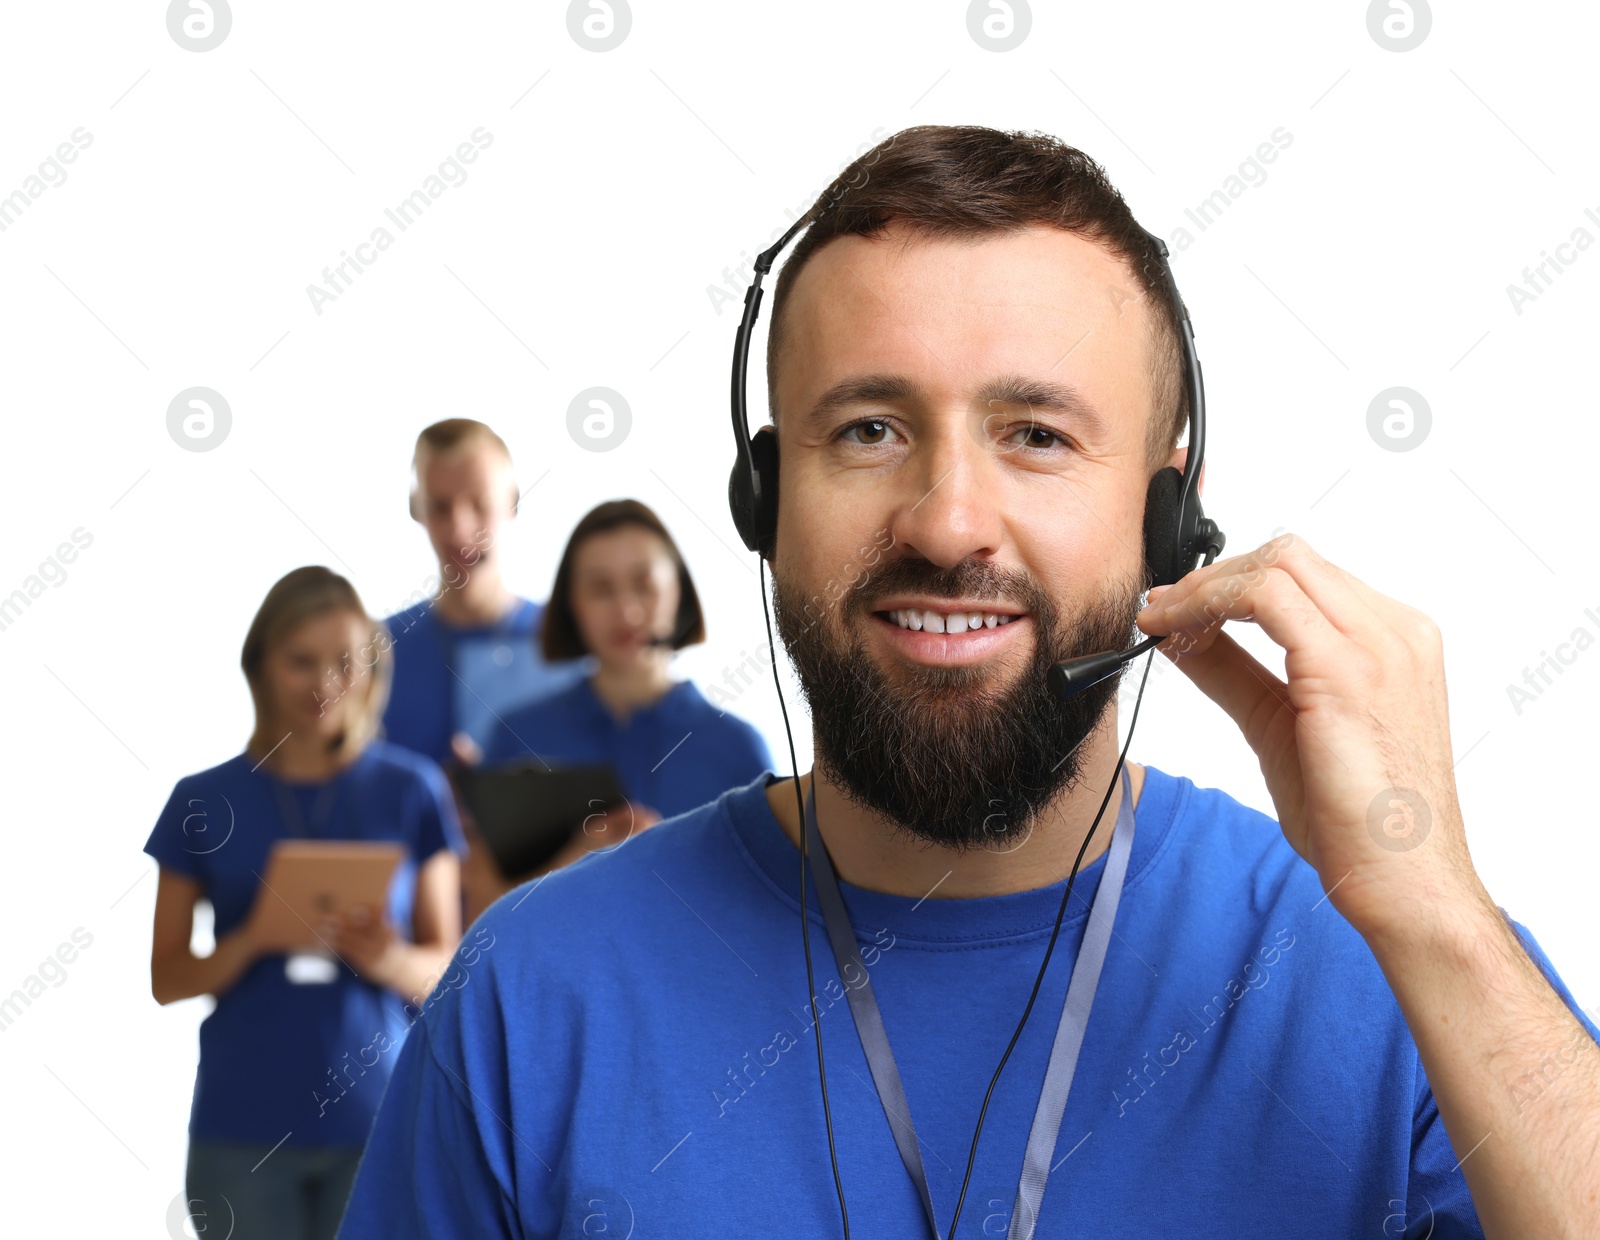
295 1054
623 594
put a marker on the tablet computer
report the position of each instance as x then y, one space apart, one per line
307 881
526 814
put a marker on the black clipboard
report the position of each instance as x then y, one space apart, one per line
526 813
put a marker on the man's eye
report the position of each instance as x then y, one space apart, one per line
1035 436
870 431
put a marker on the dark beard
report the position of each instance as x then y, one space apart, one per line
939 751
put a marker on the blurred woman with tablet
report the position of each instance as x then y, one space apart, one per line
623 594
295 1054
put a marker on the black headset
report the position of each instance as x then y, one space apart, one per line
1176 534
1176 530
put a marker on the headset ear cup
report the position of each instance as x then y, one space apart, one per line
1161 533
764 464
741 503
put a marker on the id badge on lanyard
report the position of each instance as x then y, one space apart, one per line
305 967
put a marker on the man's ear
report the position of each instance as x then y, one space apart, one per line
1180 458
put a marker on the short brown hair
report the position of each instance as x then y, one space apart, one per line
300 595
944 181
453 433
449 436
558 632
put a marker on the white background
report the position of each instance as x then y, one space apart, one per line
579 252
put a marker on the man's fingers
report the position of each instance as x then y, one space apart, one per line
1269 597
1353 608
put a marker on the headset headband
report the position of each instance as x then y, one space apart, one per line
1188 533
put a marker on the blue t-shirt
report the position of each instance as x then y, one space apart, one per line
635 1054
450 679
307 1059
675 754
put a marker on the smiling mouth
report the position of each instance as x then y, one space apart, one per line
924 620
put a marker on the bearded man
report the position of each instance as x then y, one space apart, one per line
1321 1025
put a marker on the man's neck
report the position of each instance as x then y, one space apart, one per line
868 852
482 599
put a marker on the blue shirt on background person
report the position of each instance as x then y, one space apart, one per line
672 755
1268 1086
450 678
281 1057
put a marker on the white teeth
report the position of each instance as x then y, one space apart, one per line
920 620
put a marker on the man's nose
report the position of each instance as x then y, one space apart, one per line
948 507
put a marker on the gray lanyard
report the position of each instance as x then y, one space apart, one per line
294 823
1063 1054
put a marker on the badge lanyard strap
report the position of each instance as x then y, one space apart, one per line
295 827
294 823
1063 1054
